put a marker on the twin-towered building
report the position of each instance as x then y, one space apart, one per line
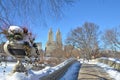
52 44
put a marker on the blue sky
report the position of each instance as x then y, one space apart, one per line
105 13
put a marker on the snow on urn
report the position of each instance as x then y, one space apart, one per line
20 42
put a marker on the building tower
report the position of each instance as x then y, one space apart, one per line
50 45
50 36
58 39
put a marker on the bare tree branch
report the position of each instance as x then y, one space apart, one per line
111 38
85 38
26 9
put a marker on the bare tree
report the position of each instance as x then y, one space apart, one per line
26 10
111 39
85 38
68 50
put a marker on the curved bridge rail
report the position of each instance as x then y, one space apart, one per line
57 74
111 62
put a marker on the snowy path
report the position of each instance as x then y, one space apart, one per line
92 72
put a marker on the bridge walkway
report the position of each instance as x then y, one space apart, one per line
92 72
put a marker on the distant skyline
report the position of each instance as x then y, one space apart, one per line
104 13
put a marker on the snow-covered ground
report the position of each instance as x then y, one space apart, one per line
32 75
71 73
6 69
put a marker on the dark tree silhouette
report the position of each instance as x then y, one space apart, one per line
10 10
20 12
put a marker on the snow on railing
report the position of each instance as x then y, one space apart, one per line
112 62
59 70
48 73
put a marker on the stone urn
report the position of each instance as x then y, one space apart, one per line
16 50
19 45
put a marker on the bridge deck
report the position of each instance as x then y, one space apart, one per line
92 72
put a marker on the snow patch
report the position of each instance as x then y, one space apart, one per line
112 72
30 75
